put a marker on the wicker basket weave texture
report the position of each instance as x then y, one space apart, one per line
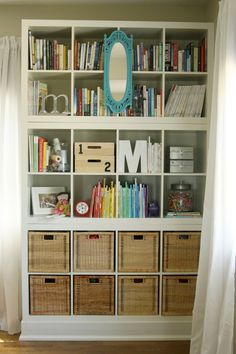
138 252
49 295
94 295
138 295
178 295
181 251
94 252
49 252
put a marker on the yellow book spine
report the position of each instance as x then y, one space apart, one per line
45 147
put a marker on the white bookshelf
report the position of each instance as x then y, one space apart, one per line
169 131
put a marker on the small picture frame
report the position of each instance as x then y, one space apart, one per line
44 199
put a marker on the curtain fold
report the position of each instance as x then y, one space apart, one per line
10 215
213 314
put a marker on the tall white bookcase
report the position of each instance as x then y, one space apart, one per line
170 131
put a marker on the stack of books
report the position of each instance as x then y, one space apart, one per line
183 214
36 91
185 101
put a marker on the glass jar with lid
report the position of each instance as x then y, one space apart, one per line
180 198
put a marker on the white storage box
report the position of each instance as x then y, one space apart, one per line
181 153
177 166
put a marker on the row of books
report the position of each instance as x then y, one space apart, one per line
46 54
36 90
103 200
132 200
147 101
39 153
88 56
89 102
193 58
185 101
148 59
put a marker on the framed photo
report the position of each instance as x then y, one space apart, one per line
44 199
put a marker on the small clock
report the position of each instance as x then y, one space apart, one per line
82 208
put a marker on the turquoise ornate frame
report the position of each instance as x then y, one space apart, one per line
118 36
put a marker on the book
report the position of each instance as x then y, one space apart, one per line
181 214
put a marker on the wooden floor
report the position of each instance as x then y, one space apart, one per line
11 345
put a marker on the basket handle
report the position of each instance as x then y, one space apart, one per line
94 237
184 237
94 280
138 280
48 237
184 281
49 280
138 237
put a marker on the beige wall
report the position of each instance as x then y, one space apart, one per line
11 15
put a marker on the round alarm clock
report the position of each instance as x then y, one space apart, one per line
81 208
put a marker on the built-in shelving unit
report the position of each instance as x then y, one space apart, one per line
148 314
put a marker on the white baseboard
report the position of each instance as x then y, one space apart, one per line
89 330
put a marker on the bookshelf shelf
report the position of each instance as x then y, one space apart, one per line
153 188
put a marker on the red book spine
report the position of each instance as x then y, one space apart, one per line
175 56
40 153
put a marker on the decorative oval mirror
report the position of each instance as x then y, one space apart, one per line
118 71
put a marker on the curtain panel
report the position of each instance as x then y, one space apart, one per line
10 216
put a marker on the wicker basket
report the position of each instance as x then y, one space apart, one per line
178 295
93 295
138 252
49 295
138 295
49 251
181 251
94 252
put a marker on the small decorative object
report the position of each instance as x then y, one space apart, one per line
180 198
44 199
58 157
62 207
82 209
153 209
54 111
132 159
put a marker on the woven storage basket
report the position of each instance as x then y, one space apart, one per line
178 295
93 252
138 252
181 251
49 295
93 295
138 295
49 251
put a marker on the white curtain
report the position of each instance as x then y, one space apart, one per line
213 315
10 215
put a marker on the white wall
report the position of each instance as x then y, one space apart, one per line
11 15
